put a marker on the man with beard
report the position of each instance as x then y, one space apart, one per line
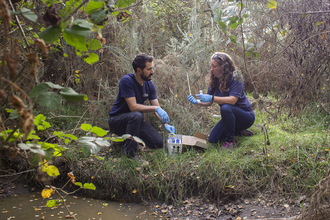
126 115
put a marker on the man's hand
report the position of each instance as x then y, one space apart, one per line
163 115
192 100
204 97
170 128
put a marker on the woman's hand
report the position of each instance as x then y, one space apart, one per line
192 100
205 97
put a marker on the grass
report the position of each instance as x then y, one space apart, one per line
294 162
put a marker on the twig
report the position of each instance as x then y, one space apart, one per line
80 120
309 12
14 174
19 25
188 84
66 207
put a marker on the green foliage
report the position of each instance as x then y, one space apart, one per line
52 100
272 4
51 203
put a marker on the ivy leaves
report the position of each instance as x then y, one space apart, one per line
58 25
52 100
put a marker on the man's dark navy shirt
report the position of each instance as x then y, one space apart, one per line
129 87
236 89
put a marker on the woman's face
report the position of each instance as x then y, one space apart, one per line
216 68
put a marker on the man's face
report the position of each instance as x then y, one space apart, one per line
148 71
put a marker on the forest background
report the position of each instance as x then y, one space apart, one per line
62 62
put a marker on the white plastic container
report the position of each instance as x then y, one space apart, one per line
174 144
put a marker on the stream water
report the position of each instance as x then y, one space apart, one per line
33 206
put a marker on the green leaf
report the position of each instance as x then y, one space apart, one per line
233 25
89 148
66 141
223 26
125 136
215 6
246 15
138 140
272 4
71 137
319 23
124 3
51 100
83 23
249 46
50 34
92 58
38 119
248 53
98 131
259 44
51 170
240 21
54 86
44 125
89 186
256 55
38 151
86 127
102 143
275 26
283 32
233 19
69 94
98 16
76 38
27 13
304 15
59 134
94 44
39 89
51 203
232 39
93 6
118 139
79 184
24 146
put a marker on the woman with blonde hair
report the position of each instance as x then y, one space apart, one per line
226 88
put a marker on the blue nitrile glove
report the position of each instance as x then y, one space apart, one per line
170 128
192 100
163 115
204 97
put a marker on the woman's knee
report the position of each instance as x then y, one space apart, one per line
225 108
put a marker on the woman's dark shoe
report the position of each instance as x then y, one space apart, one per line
245 133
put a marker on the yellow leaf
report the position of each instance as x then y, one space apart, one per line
134 191
46 193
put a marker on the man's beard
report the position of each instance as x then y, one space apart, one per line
146 78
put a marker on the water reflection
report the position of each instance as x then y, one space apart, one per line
33 206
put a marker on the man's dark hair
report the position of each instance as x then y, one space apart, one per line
140 61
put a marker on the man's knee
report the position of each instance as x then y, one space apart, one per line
157 143
137 116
